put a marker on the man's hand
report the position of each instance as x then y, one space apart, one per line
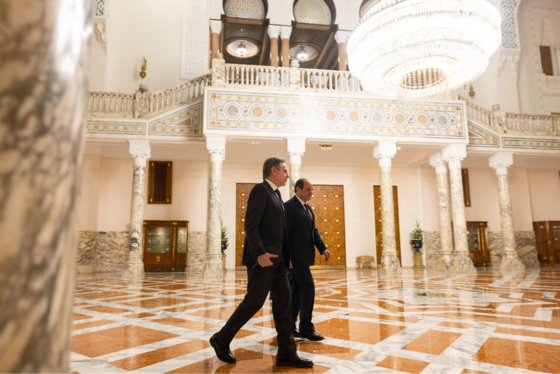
327 255
291 266
264 260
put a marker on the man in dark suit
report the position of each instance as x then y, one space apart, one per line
303 237
267 261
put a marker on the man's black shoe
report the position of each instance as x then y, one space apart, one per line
227 357
294 361
312 336
297 334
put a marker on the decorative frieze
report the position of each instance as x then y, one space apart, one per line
228 110
531 143
114 127
186 122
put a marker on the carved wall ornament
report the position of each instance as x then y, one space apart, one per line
194 41
385 151
216 26
454 154
510 29
100 32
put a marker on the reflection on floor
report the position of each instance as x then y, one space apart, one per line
418 322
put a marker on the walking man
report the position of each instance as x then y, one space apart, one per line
267 261
303 237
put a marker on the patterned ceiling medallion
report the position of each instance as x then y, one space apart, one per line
252 9
304 52
312 11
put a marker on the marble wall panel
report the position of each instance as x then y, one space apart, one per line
196 253
526 245
432 248
87 245
111 252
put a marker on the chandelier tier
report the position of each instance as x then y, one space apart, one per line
419 48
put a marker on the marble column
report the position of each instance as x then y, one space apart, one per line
216 27
500 162
446 250
341 38
285 32
273 33
216 146
43 94
385 151
296 149
141 152
453 154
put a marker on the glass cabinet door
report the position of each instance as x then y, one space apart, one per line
159 240
477 238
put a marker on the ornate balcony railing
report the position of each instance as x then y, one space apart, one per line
143 104
513 123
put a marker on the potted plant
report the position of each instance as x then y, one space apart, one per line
416 237
224 238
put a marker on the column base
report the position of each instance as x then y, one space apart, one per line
135 266
511 262
214 266
446 261
390 264
462 264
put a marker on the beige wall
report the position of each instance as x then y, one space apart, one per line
88 194
544 187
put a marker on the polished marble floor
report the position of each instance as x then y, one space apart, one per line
420 322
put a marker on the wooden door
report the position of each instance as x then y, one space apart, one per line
554 235
542 243
328 205
165 245
477 239
379 222
242 191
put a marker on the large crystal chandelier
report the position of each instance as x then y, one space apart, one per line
420 48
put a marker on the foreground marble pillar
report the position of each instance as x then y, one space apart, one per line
216 146
43 90
385 151
500 163
141 152
446 236
296 149
285 32
273 33
453 154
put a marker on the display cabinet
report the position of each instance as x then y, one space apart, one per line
165 245
477 237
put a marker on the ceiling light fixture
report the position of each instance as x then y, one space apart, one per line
302 54
255 142
241 49
422 48
325 147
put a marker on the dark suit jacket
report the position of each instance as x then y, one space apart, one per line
265 222
301 234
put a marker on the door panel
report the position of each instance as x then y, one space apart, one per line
242 191
477 240
328 206
542 243
379 222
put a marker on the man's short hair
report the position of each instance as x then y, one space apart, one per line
271 162
300 183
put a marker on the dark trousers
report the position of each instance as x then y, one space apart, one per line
303 297
262 280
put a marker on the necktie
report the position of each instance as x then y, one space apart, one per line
279 197
308 213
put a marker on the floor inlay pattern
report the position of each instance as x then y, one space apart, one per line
420 322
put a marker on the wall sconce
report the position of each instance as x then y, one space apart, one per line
325 147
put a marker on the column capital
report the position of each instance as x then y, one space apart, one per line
216 146
385 151
285 32
140 150
501 161
342 36
296 149
454 154
273 31
436 160
216 27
